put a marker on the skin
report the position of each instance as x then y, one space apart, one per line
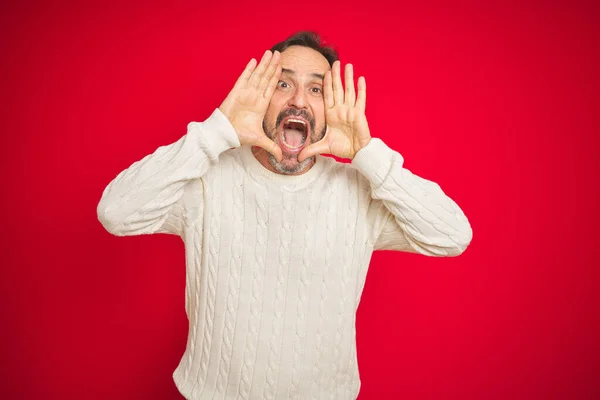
298 81
299 91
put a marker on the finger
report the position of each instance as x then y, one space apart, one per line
243 79
338 91
320 147
328 89
272 83
350 96
260 69
361 100
271 147
271 69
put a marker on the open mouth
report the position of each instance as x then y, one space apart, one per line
294 133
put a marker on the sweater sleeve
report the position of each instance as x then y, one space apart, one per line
410 213
146 197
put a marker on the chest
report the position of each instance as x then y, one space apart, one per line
319 227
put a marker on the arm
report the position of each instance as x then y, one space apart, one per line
147 197
410 213
144 198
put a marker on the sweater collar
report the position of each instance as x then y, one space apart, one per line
292 182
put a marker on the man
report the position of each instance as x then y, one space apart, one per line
278 238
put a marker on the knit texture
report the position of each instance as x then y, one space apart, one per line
275 264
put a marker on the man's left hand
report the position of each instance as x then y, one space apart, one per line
347 127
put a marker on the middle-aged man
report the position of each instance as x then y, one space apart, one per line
278 238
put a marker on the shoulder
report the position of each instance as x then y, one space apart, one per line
342 171
221 170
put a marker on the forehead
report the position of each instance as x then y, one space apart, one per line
304 60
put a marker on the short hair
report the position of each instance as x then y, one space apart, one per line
311 40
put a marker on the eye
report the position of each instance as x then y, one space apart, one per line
282 84
316 90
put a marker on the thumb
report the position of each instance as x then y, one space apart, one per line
270 146
320 147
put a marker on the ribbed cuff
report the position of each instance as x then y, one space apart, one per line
375 160
218 133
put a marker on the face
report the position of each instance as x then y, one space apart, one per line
296 114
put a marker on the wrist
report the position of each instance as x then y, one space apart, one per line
232 121
361 144
225 109
219 132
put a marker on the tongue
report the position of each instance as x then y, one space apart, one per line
293 137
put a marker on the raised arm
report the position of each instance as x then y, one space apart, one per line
408 213
146 197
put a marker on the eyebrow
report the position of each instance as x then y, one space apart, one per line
292 72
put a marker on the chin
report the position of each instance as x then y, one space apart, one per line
290 165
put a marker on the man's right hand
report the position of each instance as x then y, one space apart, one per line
246 104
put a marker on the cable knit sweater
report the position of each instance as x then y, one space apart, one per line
275 264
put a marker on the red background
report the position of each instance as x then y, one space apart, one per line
496 103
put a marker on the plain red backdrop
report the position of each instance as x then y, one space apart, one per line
496 103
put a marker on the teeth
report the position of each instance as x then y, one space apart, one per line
296 120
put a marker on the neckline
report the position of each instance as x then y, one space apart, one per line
257 170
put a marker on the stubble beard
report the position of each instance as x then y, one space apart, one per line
289 164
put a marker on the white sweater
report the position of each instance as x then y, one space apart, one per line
275 264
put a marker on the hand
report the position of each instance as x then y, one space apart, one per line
246 104
347 127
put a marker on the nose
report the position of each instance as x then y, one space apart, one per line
298 99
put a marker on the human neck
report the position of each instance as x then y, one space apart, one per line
263 158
